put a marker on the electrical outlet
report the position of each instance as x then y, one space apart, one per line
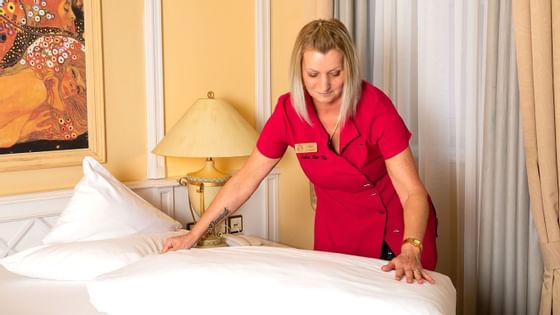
235 224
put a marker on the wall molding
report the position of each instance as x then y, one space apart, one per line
155 119
51 203
271 201
263 109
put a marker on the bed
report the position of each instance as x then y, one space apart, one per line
20 295
101 255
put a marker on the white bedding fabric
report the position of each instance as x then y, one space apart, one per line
84 260
264 280
27 296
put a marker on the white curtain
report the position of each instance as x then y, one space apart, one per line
449 67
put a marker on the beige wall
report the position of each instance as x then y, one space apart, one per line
208 45
123 55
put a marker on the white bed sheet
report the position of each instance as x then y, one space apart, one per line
265 280
245 280
27 296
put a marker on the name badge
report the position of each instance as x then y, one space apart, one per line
310 147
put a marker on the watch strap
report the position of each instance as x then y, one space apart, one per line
414 242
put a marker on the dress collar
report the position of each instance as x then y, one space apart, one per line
348 130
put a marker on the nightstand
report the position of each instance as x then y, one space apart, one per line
248 240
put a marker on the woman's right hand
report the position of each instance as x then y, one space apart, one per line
174 243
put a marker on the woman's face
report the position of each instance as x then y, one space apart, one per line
65 17
73 83
323 75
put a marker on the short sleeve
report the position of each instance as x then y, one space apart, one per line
391 133
272 141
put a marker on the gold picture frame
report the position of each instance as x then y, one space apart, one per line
95 107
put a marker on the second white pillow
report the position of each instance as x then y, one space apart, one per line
102 208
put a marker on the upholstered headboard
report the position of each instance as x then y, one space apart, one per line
25 219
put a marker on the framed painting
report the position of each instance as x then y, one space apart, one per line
51 83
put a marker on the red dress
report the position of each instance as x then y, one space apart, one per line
357 205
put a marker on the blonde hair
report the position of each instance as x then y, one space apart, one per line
323 36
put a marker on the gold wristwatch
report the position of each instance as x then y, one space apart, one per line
414 242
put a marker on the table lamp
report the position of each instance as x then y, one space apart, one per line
210 128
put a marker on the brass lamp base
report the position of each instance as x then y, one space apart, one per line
202 187
211 240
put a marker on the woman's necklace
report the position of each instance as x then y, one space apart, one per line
331 136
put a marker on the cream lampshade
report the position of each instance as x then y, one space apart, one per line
210 128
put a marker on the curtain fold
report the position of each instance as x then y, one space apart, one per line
537 30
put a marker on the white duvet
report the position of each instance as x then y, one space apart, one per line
264 280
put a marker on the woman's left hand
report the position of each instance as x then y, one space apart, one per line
408 265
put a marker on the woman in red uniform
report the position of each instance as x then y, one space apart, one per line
353 146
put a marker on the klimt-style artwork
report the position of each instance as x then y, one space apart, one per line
45 98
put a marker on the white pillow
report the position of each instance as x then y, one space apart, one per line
102 208
84 260
264 280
